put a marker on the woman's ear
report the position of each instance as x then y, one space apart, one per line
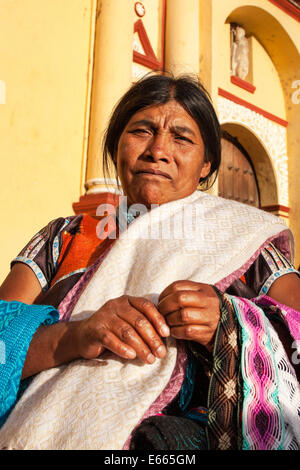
205 170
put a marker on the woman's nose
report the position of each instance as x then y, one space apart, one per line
159 148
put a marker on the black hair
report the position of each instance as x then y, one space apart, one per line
156 89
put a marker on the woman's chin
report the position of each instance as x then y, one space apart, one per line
149 196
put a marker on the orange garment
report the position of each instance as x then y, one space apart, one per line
82 249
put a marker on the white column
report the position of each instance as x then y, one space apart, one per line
112 75
182 36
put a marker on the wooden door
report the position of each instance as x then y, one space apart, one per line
237 178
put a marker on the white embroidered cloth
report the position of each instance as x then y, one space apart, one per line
95 404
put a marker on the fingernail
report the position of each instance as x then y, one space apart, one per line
165 330
150 358
131 354
161 351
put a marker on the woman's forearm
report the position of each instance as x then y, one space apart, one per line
51 346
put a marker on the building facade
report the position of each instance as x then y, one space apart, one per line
64 65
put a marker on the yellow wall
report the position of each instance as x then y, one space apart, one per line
44 62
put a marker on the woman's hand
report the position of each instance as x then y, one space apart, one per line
128 326
192 311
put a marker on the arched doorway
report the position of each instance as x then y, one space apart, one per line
237 179
256 159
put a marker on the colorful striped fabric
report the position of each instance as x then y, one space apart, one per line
271 406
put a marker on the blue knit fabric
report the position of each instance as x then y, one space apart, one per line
18 323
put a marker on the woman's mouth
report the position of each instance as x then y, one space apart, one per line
151 172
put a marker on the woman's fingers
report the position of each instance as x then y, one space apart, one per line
119 337
124 337
111 341
181 299
147 308
147 324
128 326
198 333
133 326
178 286
192 311
191 316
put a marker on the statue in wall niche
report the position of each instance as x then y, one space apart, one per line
239 53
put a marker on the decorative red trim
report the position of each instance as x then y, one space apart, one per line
148 59
242 83
288 8
251 106
89 202
276 207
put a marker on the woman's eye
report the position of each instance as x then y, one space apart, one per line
139 131
183 138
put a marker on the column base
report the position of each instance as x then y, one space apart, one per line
88 203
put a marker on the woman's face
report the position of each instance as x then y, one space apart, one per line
160 156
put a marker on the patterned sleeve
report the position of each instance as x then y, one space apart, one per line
257 280
276 265
42 252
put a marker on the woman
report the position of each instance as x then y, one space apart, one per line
163 138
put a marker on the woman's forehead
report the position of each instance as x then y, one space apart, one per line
170 113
